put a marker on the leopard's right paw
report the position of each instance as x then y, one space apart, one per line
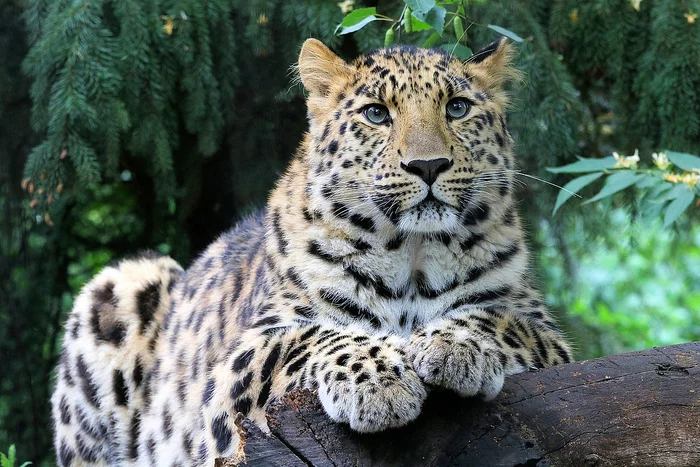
371 392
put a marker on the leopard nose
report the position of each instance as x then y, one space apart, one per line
428 170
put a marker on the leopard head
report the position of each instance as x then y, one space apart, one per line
409 137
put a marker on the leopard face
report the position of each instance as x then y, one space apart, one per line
411 137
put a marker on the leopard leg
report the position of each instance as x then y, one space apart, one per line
363 380
471 350
366 381
106 356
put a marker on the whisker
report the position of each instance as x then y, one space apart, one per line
548 183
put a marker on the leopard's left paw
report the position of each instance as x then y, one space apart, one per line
468 365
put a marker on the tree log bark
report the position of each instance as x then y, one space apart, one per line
640 408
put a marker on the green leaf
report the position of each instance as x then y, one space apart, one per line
431 41
655 195
418 25
585 165
356 20
4 461
648 181
420 6
458 50
505 32
574 186
673 193
435 18
678 205
616 182
683 160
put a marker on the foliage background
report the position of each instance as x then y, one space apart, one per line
156 124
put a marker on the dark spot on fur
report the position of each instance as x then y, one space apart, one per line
243 360
221 432
208 391
65 455
138 372
167 422
134 432
362 222
270 362
147 302
343 359
333 147
87 452
64 410
264 394
121 392
240 386
243 405
89 388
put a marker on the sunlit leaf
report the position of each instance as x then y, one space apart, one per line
574 186
614 183
505 32
683 160
585 165
356 20
678 205
418 25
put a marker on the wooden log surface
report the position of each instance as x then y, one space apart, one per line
637 409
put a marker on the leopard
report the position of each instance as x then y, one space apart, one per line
389 262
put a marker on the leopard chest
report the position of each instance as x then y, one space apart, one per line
387 289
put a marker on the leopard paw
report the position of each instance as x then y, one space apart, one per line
459 363
372 390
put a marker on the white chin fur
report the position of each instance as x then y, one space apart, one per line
428 220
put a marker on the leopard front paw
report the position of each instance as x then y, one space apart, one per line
372 392
458 363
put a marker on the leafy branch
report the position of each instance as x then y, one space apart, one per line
674 190
445 18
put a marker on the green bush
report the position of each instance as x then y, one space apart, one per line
10 459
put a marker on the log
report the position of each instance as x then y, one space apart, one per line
640 408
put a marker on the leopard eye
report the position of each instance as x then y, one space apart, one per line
377 114
458 107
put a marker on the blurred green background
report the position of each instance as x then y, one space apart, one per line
156 124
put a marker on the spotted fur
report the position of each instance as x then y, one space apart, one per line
360 279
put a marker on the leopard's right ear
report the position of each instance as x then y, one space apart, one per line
319 68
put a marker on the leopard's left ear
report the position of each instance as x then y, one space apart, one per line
319 68
493 65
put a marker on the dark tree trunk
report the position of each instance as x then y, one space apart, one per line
640 409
